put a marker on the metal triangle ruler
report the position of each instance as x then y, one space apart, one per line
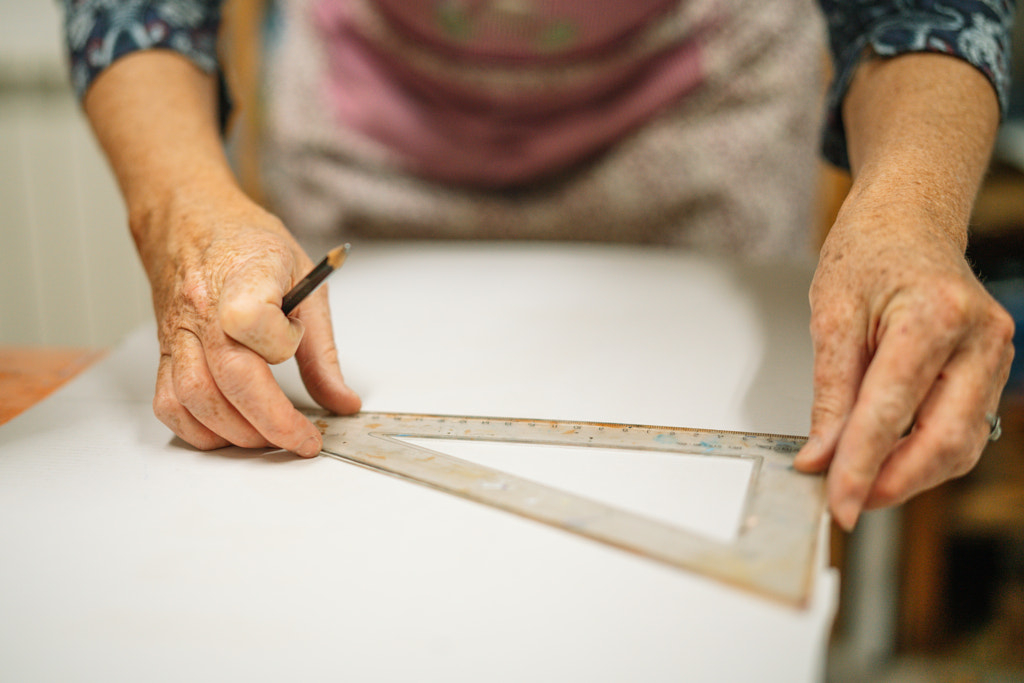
774 553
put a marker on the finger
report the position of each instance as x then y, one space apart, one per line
196 391
169 410
840 360
896 382
950 431
317 358
246 382
250 312
932 453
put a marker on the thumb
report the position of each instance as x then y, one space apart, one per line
249 311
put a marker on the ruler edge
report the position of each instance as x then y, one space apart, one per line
321 413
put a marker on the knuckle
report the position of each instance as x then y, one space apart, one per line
953 304
854 480
174 416
234 374
823 284
165 404
962 458
942 313
962 466
954 453
828 322
164 400
194 292
190 386
1002 328
828 408
206 441
888 411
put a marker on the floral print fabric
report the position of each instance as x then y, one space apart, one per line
975 30
98 32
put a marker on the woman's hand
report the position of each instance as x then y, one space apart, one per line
219 268
910 353
218 264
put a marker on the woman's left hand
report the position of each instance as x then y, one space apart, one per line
911 354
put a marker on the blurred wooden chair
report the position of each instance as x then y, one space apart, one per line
240 47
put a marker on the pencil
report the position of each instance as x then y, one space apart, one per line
335 257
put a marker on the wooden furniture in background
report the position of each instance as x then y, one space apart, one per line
1000 205
241 53
30 374
988 503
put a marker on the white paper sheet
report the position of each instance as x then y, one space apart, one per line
128 556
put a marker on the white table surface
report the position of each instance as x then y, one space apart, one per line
128 556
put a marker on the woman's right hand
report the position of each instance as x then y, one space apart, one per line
219 269
218 264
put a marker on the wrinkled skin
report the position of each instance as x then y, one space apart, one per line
217 293
906 342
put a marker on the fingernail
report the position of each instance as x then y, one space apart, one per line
310 448
809 454
847 512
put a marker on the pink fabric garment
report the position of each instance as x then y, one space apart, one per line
503 92
528 30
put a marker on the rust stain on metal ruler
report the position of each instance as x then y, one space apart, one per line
773 555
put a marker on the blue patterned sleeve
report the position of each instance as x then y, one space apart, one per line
100 31
977 31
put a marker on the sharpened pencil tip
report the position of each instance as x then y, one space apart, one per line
336 256
306 285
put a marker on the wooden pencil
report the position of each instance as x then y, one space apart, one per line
335 257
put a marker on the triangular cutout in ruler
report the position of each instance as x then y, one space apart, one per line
704 495
773 554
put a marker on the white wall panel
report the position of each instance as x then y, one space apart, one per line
68 271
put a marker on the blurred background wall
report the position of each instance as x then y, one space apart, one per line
68 271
